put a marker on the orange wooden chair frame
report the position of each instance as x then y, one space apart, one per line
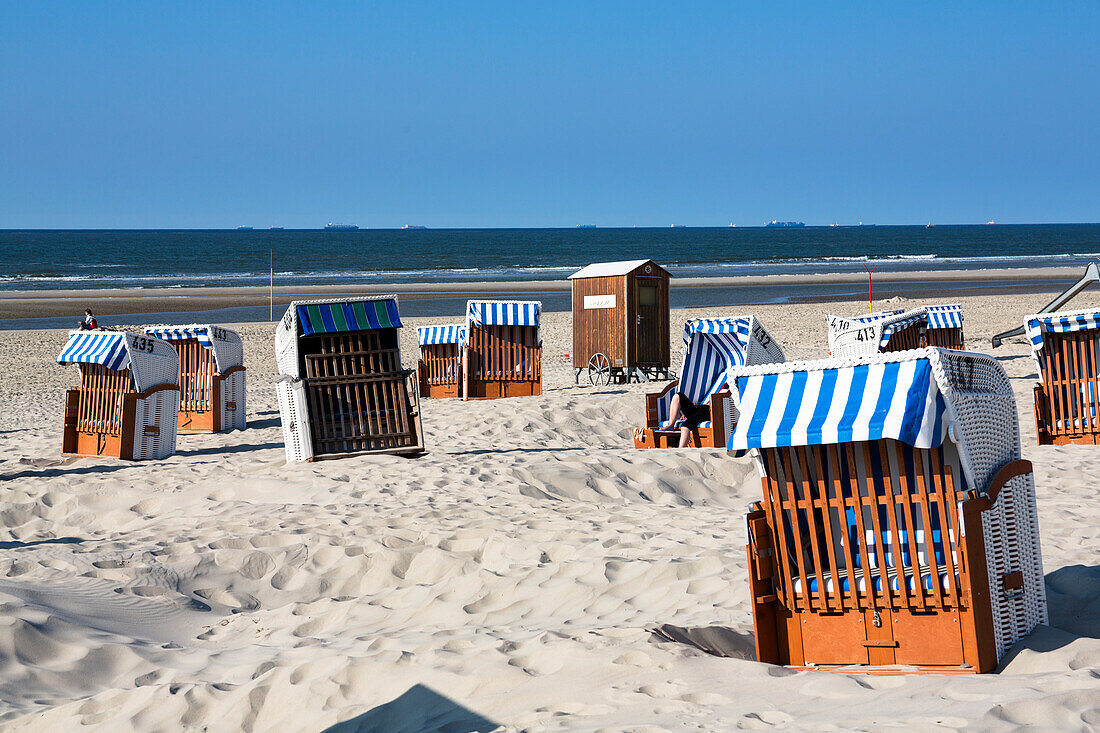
439 370
1067 410
502 361
807 613
200 388
100 415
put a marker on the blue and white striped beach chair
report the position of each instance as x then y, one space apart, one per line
502 349
945 327
1066 348
876 333
128 398
898 527
211 377
439 369
711 347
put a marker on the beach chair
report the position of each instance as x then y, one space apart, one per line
439 370
342 390
502 351
211 376
877 333
945 327
897 530
711 347
1066 348
128 399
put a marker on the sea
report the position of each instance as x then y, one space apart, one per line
140 259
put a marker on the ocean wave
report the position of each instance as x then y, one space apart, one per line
303 276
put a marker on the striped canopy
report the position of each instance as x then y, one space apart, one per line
430 335
888 331
1058 323
503 313
944 316
711 346
182 333
355 315
108 348
822 405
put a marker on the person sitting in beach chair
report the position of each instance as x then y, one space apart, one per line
691 410
685 416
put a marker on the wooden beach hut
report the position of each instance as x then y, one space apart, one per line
1066 348
877 333
945 326
342 390
439 370
711 347
621 322
502 350
897 530
128 399
211 376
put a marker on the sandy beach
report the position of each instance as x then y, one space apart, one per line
510 578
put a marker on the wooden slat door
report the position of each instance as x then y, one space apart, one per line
647 321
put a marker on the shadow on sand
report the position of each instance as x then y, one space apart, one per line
419 709
717 640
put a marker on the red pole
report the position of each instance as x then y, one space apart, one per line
870 299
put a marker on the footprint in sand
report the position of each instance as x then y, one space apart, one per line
764 719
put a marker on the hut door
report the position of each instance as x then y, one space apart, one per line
647 321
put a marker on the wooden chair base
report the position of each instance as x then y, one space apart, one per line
94 445
1047 430
884 641
439 391
657 438
496 389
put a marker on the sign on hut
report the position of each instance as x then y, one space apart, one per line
342 390
211 376
898 522
439 369
620 322
502 350
128 399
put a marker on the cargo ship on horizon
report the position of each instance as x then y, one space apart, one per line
333 227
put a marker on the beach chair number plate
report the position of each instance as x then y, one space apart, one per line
144 344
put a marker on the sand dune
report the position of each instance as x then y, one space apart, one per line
513 577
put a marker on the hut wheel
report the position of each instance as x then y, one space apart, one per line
599 370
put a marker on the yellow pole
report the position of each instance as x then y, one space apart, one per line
271 290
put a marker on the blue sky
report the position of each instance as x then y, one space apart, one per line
548 114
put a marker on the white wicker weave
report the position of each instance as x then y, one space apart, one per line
860 336
158 410
294 414
983 435
233 393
